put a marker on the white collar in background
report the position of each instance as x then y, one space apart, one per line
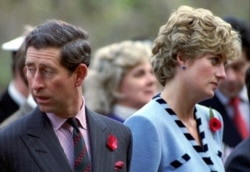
31 101
123 112
15 94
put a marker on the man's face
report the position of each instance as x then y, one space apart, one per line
51 85
235 77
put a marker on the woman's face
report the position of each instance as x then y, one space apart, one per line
138 86
202 76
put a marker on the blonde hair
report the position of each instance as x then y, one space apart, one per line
192 33
109 66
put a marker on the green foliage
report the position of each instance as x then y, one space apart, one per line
106 21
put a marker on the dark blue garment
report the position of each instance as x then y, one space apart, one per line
115 117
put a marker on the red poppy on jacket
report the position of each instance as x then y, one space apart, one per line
119 165
214 124
112 142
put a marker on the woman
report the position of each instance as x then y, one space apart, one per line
122 79
172 132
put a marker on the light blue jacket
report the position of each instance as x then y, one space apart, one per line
158 142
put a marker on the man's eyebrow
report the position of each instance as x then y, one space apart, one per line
28 63
46 65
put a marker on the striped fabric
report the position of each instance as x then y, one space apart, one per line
201 150
31 145
81 162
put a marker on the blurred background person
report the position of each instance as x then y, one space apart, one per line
121 80
172 132
29 103
239 159
17 91
231 96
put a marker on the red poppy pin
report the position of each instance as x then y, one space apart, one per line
214 122
119 165
112 142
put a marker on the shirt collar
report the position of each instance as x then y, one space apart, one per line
123 112
15 94
57 121
225 100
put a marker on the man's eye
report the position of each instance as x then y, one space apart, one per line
237 67
47 72
31 70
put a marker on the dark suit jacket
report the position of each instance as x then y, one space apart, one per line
7 105
30 145
231 136
239 159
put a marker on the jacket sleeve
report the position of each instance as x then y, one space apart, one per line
146 151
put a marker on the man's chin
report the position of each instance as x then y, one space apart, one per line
232 92
44 109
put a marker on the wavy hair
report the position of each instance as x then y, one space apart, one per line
192 33
71 40
107 70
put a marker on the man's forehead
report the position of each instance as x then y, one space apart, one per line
42 56
43 51
237 62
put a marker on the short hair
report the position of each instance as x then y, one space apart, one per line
20 56
71 40
109 66
20 63
243 29
15 51
192 33
247 81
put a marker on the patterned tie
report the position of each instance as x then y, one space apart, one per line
238 120
81 159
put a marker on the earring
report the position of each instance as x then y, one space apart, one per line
183 67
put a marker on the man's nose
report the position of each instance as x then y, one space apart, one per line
230 74
37 82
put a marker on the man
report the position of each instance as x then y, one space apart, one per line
50 137
17 91
231 88
239 159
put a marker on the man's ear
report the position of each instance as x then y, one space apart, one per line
81 72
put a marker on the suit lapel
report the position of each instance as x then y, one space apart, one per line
44 145
231 135
98 132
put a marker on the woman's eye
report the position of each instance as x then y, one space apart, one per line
139 74
215 60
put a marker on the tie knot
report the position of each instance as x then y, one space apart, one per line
235 101
73 122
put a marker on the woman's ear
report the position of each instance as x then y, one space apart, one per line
81 73
180 59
